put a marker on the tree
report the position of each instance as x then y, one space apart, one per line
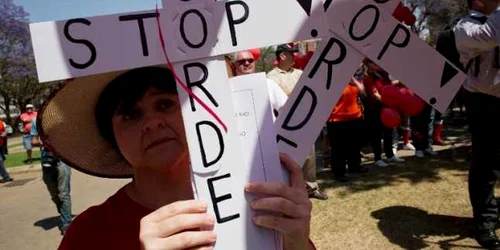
18 81
265 62
434 15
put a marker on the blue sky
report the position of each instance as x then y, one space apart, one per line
51 10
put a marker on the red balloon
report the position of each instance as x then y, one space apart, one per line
408 17
256 53
299 62
405 92
412 105
398 13
411 19
390 118
404 15
391 96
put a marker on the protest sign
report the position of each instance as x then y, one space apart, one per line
220 170
391 45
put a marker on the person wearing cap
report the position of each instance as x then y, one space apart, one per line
130 125
26 118
245 64
57 177
286 76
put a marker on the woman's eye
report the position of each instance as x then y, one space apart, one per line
131 115
166 104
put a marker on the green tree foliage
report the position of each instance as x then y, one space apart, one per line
18 80
434 15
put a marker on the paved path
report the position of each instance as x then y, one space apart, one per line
27 215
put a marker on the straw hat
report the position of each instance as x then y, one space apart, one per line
67 128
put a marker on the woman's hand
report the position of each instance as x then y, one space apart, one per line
178 226
290 207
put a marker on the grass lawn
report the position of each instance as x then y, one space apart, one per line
418 204
13 145
16 159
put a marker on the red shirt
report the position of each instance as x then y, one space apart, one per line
27 125
111 225
114 224
374 83
2 129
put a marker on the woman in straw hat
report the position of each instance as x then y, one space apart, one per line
129 124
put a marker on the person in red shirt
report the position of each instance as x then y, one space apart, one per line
345 131
374 80
26 118
3 172
129 125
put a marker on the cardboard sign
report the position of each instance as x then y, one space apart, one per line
394 47
253 113
192 30
215 155
221 164
313 98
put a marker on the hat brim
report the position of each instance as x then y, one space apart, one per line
67 128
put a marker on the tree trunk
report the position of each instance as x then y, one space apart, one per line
7 111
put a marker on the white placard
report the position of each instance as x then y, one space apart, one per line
253 113
220 171
214 153
266 23
86 46
395 48
315 95
190 28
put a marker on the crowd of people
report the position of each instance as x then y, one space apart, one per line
355 121
55 174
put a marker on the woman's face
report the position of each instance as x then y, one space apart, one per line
151 134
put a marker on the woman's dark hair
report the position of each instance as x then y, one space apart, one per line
125 91
469 3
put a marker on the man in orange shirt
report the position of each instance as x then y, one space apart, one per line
3 172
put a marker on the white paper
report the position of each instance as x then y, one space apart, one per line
253 113
241 232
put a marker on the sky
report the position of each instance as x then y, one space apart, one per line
52 10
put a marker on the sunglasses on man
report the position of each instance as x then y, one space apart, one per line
244 61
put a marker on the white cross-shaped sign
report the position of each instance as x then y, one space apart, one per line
198 32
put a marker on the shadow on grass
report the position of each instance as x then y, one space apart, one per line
410 227
414 170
